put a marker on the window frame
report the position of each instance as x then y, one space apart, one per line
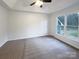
65 24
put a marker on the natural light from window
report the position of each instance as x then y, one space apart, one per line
68 25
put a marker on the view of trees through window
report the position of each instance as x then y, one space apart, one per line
68 25
72 25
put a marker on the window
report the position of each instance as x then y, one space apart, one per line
68 25
60 25
72 25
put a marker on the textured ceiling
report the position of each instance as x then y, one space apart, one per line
55 5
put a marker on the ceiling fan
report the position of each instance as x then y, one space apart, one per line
40 2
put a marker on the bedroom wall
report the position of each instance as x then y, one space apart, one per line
3 25
27 25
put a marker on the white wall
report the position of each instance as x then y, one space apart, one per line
3 25
52 24
27 25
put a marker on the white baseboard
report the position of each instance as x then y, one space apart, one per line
25 37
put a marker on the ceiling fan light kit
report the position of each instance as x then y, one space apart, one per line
39 3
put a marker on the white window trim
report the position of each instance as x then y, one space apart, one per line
65 26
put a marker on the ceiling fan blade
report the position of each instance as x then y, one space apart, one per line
47 0
32 3
41 6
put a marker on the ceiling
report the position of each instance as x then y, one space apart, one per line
55 5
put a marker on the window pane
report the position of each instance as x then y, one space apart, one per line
72 20
72 25
60 25
60 29
61 19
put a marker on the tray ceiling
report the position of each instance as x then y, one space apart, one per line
55 5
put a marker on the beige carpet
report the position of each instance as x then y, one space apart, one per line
12 50
38 48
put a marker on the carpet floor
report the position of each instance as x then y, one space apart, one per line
38 48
